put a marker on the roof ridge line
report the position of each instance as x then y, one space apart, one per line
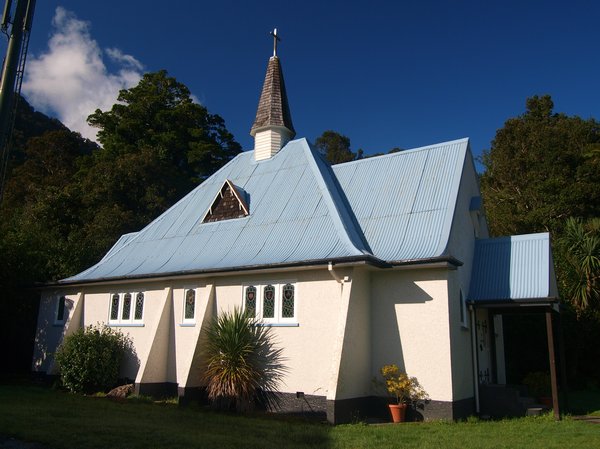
346 228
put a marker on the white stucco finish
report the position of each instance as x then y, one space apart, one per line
410 327
50 333
308 349
351 370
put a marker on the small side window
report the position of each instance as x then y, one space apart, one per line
60 310
287 303
464 320
250 301
126 315
139 307
114 307
268 302
189 312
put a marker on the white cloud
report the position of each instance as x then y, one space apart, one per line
71 79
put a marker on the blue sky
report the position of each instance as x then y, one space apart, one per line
385 73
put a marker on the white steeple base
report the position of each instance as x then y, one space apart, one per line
268 142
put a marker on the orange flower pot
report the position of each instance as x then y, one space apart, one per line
398 412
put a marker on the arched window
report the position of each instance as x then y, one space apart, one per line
250 301
287 303
190 305
269 302
139 306
126 315
114 307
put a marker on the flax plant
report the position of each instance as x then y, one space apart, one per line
244 367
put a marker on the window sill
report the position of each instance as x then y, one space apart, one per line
58 324
278 324
187 324
126 324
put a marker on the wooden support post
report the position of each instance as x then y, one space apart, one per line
552 357
563 364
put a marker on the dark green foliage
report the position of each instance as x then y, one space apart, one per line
157 145
67 200
542 168
542 173
335 147
89 359
243 365
580 245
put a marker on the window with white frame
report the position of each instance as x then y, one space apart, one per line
59 317
126 308
271 302
189 306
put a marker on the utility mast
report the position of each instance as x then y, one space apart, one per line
16 25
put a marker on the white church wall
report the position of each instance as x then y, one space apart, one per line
410 327
466 227
142 335
307 347
354 363
51 330
189 361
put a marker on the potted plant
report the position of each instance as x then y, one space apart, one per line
538 385
403 388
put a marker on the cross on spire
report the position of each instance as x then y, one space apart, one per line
276 38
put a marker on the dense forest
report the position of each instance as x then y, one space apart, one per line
67 200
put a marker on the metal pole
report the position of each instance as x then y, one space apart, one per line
11 64
552 357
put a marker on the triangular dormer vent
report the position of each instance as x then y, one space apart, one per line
229 203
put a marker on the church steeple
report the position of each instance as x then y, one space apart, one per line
272 127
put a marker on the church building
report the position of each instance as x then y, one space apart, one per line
353 266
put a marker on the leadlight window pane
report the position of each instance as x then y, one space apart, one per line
269 302
190 304
250 301
114 310
60 313
126 306
287 305
139 306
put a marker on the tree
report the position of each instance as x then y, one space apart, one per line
157 144
335 147
542 174
542 168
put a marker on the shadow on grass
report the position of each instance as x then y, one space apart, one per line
63 420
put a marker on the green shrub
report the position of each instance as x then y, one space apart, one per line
89 359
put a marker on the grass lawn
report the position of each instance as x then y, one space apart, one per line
62 420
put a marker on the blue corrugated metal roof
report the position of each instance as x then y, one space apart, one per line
404 202
393 207
513 268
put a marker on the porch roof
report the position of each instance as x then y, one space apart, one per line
514 270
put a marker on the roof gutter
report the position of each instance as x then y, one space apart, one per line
441 262
308 264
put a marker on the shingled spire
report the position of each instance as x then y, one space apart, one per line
272 127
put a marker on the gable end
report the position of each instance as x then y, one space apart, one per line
228 204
